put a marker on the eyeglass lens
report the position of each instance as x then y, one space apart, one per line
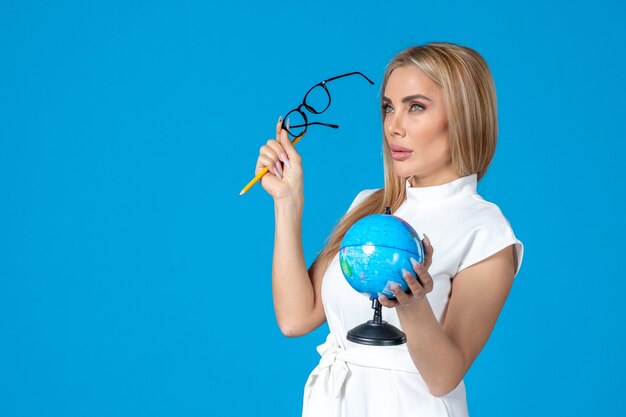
297 122
317 100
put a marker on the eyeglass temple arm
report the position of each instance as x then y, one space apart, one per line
348 74
316 123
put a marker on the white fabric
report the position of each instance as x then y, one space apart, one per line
355 380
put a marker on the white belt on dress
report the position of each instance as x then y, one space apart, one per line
323 387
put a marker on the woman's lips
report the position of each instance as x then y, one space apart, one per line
400 156
400 153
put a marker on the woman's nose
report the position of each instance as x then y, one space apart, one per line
395 125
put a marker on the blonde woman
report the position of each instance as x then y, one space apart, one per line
440 127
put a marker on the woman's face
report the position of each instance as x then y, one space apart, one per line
416 127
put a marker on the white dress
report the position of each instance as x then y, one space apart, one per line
359 381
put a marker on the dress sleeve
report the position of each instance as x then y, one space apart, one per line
490 236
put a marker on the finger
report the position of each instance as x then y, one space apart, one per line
279 126
417 290
279 169
267 158
283 157
269 152
386 302
280 155
424 279
266 162
428 251
283 138
401 296
276 147
416 264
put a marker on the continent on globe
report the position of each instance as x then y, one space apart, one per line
374 252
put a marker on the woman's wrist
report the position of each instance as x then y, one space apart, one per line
289 205
411 309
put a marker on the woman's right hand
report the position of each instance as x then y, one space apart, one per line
285 177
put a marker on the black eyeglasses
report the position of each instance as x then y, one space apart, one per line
317 101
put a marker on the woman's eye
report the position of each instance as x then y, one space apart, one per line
416 107
387 108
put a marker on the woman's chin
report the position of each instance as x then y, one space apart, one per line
403 172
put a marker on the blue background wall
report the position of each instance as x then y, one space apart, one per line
134 281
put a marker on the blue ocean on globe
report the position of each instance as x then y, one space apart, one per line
375 250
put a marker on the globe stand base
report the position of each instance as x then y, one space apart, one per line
377 332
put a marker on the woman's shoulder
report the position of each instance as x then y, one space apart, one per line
361 196
483 210
473 214
486 230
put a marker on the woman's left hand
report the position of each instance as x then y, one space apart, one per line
417 290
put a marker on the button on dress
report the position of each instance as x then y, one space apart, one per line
353 380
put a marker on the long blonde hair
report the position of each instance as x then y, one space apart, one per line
470 97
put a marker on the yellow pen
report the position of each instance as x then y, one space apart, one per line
265 170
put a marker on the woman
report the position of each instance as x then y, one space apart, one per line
440 127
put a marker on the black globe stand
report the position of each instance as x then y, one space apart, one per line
377 332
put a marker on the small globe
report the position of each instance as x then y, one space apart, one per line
375 250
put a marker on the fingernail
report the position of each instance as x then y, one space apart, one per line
283 157
404 272
280 119
414 262
287 124
426 238
279 169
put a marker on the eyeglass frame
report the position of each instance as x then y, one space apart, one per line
312 110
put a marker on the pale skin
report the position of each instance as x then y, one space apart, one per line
416 119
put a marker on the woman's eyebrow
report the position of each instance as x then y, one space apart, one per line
409 98
415 97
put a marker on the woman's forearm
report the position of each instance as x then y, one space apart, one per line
291 285
438 359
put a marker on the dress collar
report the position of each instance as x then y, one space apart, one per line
440 193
